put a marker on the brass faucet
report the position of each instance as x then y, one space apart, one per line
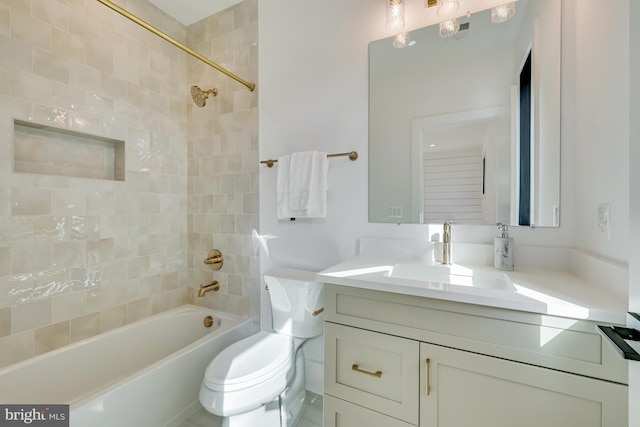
446 243
213 286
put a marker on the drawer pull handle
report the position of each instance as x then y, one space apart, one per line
428 363
318 312
376 374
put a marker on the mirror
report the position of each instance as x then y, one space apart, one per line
467 128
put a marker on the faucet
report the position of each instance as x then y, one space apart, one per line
446 243
213 286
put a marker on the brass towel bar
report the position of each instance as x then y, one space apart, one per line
154 30
353 155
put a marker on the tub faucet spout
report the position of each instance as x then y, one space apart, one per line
213 286
446 243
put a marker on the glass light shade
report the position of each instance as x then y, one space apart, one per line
447 8
395 15
449 28
402 40
502 13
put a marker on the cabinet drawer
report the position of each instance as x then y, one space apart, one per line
338 413
373 370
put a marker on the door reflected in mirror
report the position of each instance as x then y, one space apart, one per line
455 133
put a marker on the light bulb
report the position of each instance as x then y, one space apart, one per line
503 13
402 40
449 28
395 15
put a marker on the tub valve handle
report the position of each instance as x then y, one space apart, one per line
213 286
214 259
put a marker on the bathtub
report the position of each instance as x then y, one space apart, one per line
144 374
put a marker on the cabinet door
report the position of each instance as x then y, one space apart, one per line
339 413
460 388
373 370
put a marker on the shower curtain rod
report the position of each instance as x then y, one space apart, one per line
154 30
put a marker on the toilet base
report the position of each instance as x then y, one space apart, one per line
292 399
283 411
267 415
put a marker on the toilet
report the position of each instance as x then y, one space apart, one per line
260 380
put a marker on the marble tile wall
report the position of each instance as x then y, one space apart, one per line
78 255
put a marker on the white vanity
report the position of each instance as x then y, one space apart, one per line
406 345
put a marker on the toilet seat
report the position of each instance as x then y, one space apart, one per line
249 362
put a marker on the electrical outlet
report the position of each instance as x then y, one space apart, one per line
394 212
604 220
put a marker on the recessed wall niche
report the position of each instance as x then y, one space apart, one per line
48 150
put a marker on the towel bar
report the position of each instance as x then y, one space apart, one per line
353 156
618 337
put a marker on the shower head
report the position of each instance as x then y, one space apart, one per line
200 96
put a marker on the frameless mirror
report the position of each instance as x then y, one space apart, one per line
467 128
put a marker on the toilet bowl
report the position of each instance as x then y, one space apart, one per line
259 381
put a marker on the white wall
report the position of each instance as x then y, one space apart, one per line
313 96
602 133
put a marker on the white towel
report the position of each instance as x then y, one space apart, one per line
302 185
282 188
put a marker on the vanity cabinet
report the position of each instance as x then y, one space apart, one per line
395 360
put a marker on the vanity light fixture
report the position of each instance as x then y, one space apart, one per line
395 16
503 12
446 9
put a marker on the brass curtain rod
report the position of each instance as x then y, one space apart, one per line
175 42
353 156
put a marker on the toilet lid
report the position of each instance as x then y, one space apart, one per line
249 361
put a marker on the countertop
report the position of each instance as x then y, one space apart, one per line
543 292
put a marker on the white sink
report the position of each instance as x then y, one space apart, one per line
455 274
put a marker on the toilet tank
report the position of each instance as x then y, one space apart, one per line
296 302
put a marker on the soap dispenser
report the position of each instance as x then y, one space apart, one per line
503 249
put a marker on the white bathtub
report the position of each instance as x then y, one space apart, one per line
145 374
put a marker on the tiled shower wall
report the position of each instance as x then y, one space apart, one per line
79 256
223 159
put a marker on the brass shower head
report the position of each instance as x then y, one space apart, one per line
200 96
